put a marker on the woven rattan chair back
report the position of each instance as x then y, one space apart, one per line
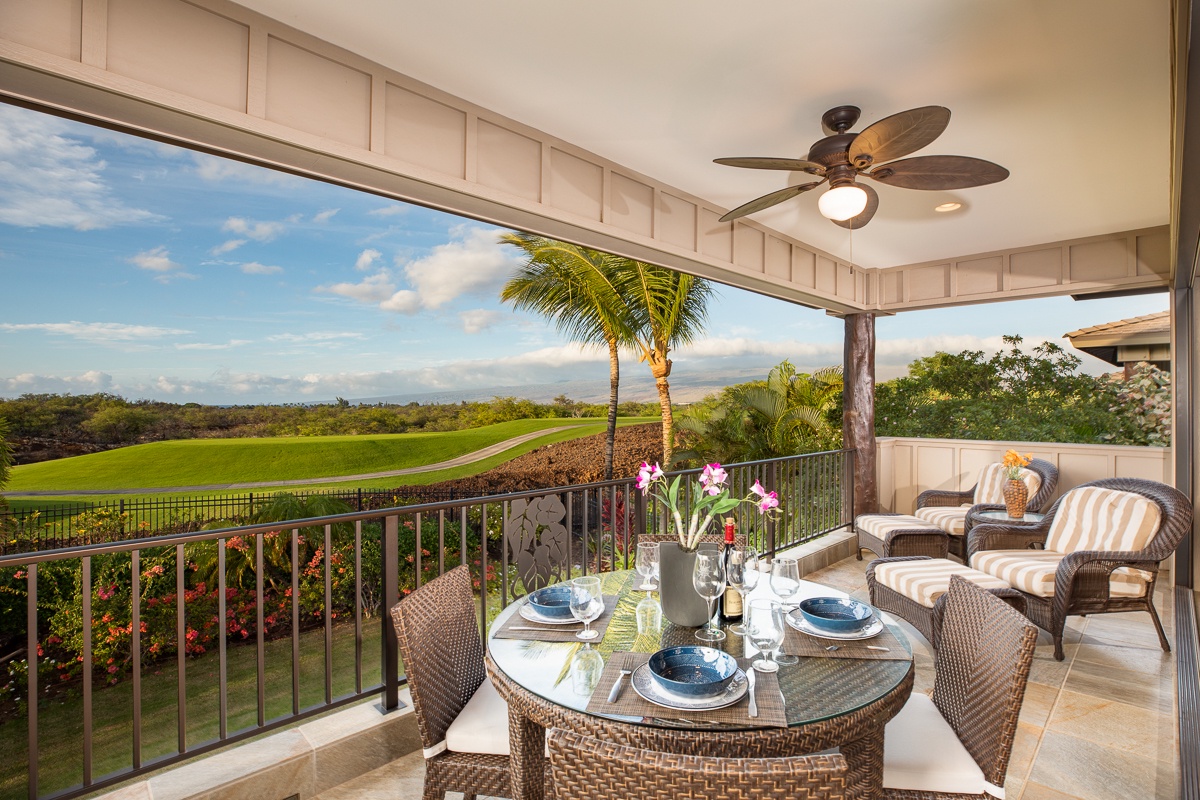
440 649
982 665
583 768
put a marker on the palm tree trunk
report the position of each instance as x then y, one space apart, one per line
668 420
610 438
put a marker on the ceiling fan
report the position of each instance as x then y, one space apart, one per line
842 157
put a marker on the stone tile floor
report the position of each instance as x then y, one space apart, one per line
1099 725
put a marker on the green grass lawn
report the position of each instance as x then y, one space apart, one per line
60 720
210 461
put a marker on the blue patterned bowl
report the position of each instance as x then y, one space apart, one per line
836 614
553 602
693 670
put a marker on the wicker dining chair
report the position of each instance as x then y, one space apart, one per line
463 722
583 768
1100 552
956 745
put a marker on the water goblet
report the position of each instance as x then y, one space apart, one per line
647 564
785 582
741 572
764 625
586 667
708 579
586 604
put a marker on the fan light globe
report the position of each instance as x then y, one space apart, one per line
842 203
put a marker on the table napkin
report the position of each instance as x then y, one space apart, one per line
771 712
555 633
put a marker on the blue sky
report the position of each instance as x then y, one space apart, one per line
151 271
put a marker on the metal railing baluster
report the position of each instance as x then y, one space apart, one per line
135 571
180 651
328 614
296 620
222 642
86 593
31 675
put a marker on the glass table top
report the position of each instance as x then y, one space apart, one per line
814 689
1002 516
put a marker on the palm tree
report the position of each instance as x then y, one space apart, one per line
669 309
787 414
572 286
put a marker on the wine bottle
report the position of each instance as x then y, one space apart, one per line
731 600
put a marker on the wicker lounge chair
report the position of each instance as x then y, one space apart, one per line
1102 541
957 744
948 510
462 720
583 768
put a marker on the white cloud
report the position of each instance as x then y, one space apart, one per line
95 331
405 301
473 261
314 336
212 345
227 246
48 178
212 168
389 211
258 231
321 217
479 319
372 289
158 260
366 258
255 268
86 383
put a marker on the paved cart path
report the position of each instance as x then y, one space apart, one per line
458 461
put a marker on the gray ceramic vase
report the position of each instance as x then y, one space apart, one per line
680 603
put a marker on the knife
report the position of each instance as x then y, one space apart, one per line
620 683
753 704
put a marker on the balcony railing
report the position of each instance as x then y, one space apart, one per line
120 675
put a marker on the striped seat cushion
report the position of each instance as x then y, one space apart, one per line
925 580
879 525
1032 571
951 519
990 488
1093 518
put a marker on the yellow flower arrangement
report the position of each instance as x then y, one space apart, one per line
1013 462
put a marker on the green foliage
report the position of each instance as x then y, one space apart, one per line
5 459
1143 403
1014 395
789 413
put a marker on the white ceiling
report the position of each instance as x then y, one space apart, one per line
1072 96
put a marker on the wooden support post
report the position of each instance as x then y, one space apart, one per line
858 409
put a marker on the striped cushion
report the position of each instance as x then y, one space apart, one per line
1093 518
879 525
926 580
990 488
1032 571
951 519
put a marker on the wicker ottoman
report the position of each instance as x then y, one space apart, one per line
888 535
914 589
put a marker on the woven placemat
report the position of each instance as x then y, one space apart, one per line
517 627
771 712
796 643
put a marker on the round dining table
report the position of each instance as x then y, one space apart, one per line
830 702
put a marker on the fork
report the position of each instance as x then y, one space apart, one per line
619 683
753 702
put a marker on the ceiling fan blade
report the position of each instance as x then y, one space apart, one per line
790 164
898 135
939 172
854 223
768 200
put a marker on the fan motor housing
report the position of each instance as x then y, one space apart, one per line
832 150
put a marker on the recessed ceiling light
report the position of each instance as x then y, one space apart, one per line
944 207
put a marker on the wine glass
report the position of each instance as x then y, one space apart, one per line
708 578
741 572
764 625
785 582
586 604
647 564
